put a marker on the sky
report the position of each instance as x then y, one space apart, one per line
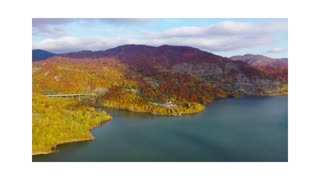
225 37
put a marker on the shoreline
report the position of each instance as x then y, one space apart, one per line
64 142
154 113
72 140
137 111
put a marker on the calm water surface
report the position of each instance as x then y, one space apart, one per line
243 129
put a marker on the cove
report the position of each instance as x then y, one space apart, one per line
246 129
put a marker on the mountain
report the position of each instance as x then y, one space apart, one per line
164 80
259 60
140 77
275 67
151 60
245 77
39 55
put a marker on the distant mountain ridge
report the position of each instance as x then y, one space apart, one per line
274 67
260 60
39 55
158 63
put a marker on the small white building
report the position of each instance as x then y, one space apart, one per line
169 104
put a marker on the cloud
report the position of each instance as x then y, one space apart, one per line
126 21
49 31
54 27
36 22
70 43
223 36
225 28
49 27
245 28
277 50
213 44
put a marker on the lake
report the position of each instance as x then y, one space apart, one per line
247 129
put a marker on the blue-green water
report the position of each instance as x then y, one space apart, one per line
243 129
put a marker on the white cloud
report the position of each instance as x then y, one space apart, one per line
36 22
176 32
225 28
126 21
54 27
49 31
223 36
70 43
277 50
49 27
246 28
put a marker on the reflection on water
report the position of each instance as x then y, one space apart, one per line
243 129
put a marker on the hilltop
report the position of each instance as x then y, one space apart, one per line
272 66
260 60
39 55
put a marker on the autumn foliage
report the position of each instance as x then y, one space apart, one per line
137 78
58 120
